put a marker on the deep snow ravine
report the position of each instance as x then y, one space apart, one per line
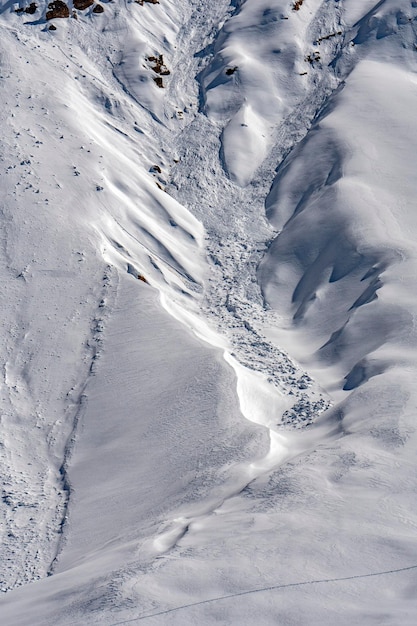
170 185
104 100
233 301
238 236
234 216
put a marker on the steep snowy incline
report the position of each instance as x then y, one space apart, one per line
252 164
123 133
51 287
343 202
78 200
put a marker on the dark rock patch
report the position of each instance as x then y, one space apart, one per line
57 9
31 9
81 5
159 66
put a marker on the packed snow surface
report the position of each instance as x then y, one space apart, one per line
209 347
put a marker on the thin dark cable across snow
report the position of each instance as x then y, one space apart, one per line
272 588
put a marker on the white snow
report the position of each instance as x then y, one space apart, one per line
208 300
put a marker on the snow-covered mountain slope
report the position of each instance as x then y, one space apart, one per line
208 342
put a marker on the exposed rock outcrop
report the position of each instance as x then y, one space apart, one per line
31 9
57 9
81 5
159 66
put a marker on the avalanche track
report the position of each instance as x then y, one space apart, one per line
245 169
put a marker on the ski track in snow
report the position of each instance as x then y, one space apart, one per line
263 590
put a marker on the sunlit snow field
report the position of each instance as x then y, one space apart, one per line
208 291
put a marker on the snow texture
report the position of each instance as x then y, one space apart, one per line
208 262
